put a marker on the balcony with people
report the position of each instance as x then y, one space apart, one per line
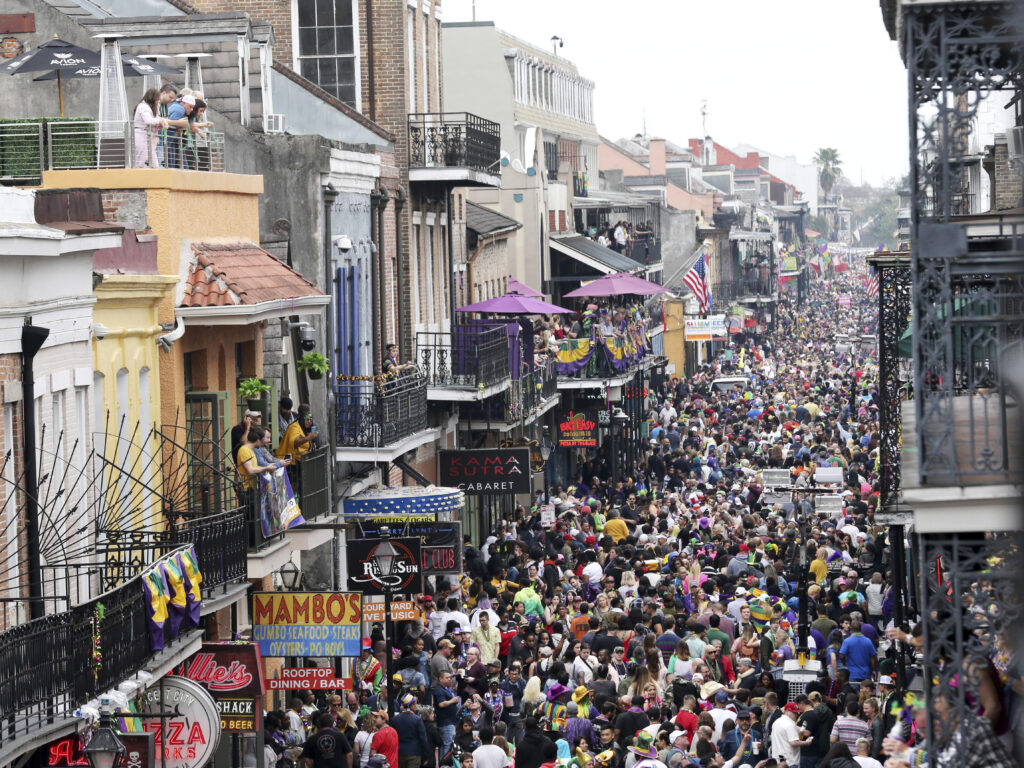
607 345
454 148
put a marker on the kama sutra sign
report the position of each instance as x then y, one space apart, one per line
486 471
233 675
577 430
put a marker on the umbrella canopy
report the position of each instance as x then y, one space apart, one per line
134 66
619 284
514 286
53 55
514 304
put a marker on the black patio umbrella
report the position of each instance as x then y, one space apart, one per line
53 56
133 66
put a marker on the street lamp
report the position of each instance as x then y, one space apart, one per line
104 749
546 449
384 557
290 575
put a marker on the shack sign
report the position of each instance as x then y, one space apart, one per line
232 673
577 430
384 566
487 470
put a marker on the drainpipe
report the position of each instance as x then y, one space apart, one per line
32 339
403 309
330 195
383 196
451 267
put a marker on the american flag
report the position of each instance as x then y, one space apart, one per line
697 280
872 282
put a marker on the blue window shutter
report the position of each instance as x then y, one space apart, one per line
341 322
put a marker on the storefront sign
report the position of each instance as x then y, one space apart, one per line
578 430
709 328
401 610
378 566
441 540
233 674
311 679
307 623
140 752
189 738
486 471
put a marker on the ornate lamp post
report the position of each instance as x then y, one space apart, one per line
104 749
384 557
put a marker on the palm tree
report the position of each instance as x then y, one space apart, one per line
831 168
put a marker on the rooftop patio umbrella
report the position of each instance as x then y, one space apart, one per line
618 284
514 304
514 286
134 66
53 56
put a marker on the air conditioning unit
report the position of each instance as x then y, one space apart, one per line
273 123
1015 143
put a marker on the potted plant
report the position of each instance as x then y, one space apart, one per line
314 364
252 391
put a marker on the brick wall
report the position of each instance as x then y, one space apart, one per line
1007 179
127 206
278 13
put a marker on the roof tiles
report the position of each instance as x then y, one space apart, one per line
233 274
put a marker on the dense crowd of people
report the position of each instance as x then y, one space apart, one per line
651 624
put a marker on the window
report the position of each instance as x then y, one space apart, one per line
327 47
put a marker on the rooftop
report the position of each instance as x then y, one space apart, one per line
238 274
484 221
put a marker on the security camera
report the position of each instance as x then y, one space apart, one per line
99 330
344 243
307 338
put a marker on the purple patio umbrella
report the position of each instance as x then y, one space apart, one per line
514 304
514 286
619 284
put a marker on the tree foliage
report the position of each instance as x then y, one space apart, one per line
830 168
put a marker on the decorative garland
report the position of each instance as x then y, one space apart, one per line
98 614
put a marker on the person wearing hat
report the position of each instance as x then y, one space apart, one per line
643 748
748 734
786 739
369 672
553 710
412 734
385 738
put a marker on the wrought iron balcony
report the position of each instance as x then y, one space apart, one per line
645 250
374 412
602 358
454 141
473 358
314 490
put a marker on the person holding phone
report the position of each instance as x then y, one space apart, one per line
298 439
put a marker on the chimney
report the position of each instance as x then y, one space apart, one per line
657 157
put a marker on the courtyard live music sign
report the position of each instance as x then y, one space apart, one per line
577 430
384 566
307 623
232 673
487 470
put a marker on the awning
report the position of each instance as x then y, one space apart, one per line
586 251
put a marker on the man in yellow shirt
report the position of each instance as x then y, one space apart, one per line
818 566
615 526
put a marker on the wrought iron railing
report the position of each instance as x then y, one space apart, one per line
473 356
29 148
314 483
379 411
220 546
645 249
48 666
454 140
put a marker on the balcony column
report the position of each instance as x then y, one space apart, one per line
404 329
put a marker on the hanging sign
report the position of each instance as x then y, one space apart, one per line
401 610
66 752
385 566
441 542
307 623
708 328
189 738
309 679
577 430
232 673
486 471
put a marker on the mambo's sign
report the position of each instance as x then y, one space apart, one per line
577 431
385 566
307 623
488 470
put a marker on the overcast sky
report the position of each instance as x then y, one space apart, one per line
787 76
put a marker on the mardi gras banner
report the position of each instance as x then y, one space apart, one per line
174 595
279 510
574 356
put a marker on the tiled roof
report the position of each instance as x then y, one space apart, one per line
484 221
237 274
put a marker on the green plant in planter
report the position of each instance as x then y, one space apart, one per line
314 364
252 390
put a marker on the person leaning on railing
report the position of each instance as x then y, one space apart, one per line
249 466
147 135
